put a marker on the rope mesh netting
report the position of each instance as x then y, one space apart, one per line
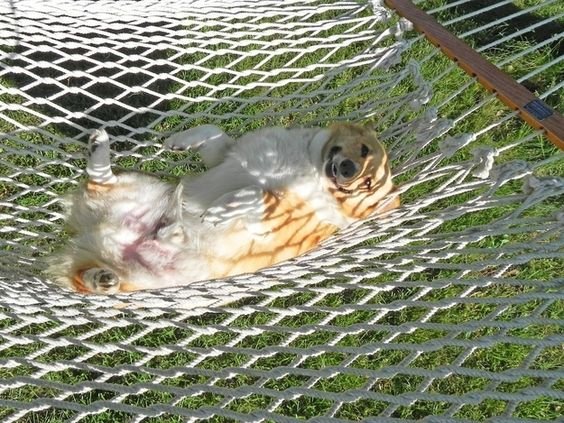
448 309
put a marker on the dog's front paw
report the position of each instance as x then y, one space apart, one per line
193 138
181 142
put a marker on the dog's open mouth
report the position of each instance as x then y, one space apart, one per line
331 173
331 170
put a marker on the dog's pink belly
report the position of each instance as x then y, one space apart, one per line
151 255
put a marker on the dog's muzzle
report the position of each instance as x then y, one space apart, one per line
340 170
347 169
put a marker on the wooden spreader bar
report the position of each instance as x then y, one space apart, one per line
530 108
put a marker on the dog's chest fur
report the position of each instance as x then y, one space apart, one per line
293 213
289 227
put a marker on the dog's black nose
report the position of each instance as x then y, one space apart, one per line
347 168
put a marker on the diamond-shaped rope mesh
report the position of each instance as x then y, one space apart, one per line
448 309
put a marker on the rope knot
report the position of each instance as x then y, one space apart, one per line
430 127
424 91
484 158
380 10
515 169
543 186
451 145
401 28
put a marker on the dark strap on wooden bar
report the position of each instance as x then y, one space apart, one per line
530 108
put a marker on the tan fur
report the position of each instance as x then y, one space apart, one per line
94 187
292 229
362 201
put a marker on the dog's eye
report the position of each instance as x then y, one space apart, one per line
334 150
364 150
368 183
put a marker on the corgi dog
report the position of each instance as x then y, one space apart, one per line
266 197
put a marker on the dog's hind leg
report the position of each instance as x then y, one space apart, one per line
97 280
99 167
209 140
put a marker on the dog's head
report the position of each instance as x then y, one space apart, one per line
357 169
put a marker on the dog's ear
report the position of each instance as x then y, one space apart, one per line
317 145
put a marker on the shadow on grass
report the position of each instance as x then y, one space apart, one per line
76 87
515 24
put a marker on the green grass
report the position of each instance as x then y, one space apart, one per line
179 343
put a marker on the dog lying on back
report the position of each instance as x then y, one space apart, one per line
271 195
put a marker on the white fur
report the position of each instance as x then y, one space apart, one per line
270 159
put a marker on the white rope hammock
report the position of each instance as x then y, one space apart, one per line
393 319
